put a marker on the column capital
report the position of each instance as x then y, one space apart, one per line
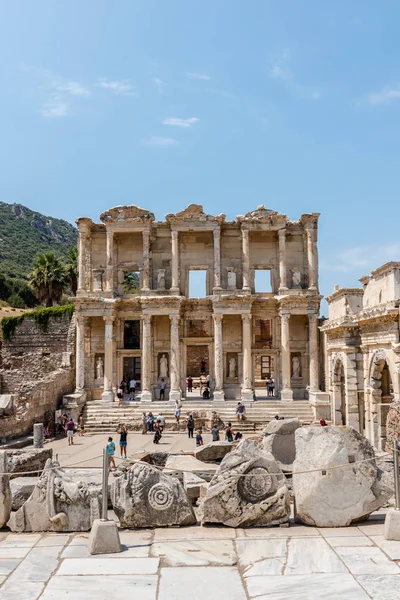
218 317
312 315
217 232
246 318
109 319
174 233
245 233
285 314
175 319
146 318
81 319
282 232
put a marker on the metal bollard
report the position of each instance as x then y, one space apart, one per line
104 505
396 473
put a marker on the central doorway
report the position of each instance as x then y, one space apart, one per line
197 371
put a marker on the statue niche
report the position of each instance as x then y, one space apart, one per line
232 366
296 366
163 366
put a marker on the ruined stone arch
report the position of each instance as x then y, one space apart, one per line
382 376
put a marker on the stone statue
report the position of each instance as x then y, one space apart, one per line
296 278
161 279
163 366
296 367
99 368
231 280
232 367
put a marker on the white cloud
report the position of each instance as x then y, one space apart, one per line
278 73
73 88
200 76
161 141
120 88
386 96
366 258
181 122
160 84
56 108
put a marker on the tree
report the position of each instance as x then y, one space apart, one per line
71 269
48 278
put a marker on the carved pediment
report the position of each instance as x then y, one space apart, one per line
262 215
131 213
194 212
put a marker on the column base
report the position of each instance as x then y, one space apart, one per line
175 395
321 405
217 288
287 394
247 394
391 529
146 396
175 290
107 396
219 395
283 289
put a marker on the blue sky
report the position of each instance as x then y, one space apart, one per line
226 103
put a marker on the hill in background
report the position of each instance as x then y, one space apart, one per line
24 233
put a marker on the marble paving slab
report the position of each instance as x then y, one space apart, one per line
194 533
8 564
108 566
135 587
355 541
262 557
12 552
198 553
20 540
363 561
312 555
27 590
381 587
200 583
372 528
278 532
127 552
351 531
389 547
330 586
53 539
38 565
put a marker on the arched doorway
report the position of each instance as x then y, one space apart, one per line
387 385
339 392
380 397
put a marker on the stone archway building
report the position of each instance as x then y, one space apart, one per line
363 334
135 316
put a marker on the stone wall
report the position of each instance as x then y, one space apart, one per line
38 367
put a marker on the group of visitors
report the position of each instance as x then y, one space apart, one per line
66 425
152 424
127 386
270 383
204 390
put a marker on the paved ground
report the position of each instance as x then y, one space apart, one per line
195 563
198 563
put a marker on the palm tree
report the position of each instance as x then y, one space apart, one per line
71 269
48 278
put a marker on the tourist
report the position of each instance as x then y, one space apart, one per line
202 384
270 386
189 384
81 426
150 422
110 453
229 433
70 426
47 433
161 421
64 421
203 366
238 436
206 393
199 438
190 426
162 389
241 409
215 433
144 424
120 394
132 388
123 442
276 417
157 433
177 412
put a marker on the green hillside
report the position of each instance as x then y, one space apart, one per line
24 233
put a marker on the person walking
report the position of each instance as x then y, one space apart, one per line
199 438
70 426
241 409
190 426
81 426
132 388
163 385
177 412
144 424
110 453
150 422
215 434
157 433
161 421
229 433
123 441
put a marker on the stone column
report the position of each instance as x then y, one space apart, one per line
286 391
80 353
108 394
246 259
175 371
217 258
311 257
313 351
175 261
110 261
146 395
146 260
82 240
247 385
282 261
38 437
218 359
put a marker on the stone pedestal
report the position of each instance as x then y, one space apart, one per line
38 436
73 404
391 530
320 403
104 538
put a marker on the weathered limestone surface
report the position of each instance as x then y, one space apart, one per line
21 489
178 463
27 459
335 498
194 485
58 503
393 424
279 440
5 491
248 490
213 451
146 497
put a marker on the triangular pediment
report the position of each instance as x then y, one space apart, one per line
130 213
194 212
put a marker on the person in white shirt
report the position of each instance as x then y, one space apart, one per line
161 421
132 387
